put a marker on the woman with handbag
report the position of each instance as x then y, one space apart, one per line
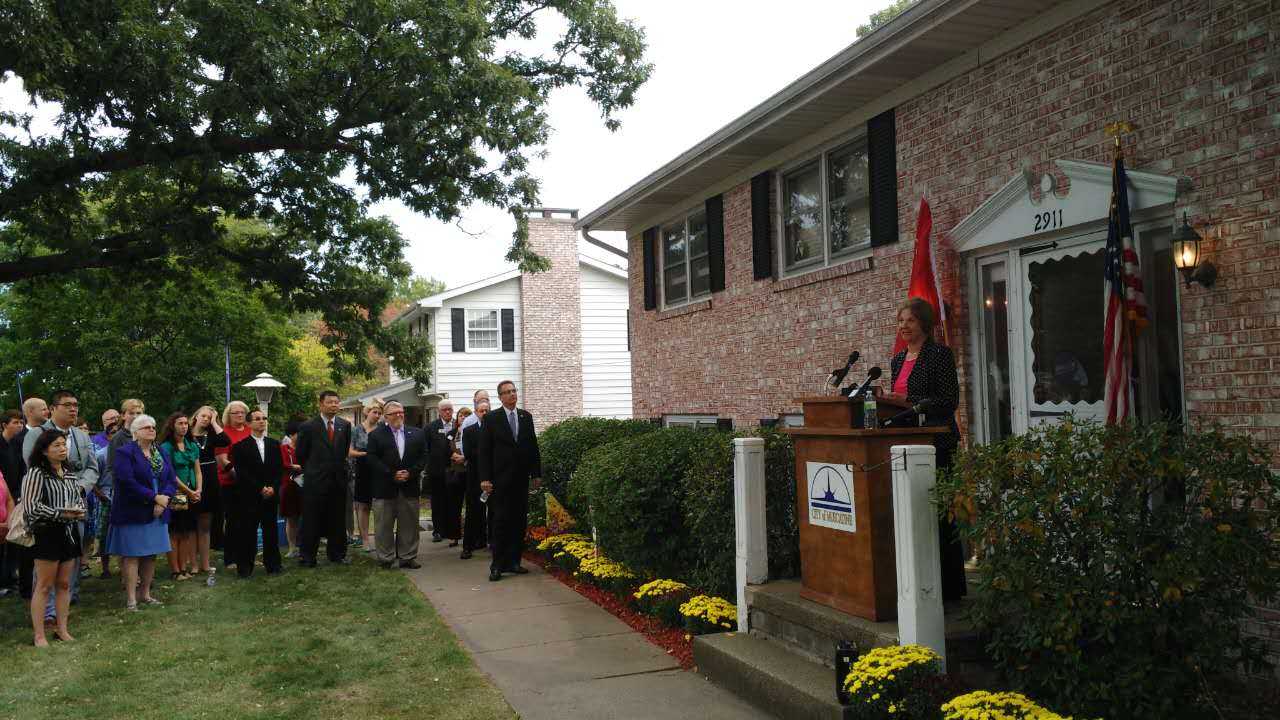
185 456
144 485
53 506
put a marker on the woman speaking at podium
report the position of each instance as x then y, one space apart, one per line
925 374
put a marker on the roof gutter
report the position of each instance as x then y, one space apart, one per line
586 235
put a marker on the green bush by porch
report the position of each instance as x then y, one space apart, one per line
563 445
1118 562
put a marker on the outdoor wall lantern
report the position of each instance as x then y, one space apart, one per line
1186 256
264 387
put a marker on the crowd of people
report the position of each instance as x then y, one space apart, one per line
197 483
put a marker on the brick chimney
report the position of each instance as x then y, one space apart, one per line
551 306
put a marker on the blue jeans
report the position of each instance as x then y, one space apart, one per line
49 611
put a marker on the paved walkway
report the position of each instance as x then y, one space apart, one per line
554 654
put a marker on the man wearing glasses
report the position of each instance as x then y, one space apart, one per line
82 460
397 453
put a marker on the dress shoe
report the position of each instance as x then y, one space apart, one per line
494 576
410 564
466 554
435 537
386 565
518 570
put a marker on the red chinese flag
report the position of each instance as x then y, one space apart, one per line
924 276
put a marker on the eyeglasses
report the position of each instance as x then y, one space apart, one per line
146 427
69 404
397 413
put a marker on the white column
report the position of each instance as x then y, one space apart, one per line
915 531
748 514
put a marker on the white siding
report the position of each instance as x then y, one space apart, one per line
606 362
459 375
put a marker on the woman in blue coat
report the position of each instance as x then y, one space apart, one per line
144 482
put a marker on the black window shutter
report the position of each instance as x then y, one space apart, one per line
458 317
508 330
650 268
761 228
715 241
882 158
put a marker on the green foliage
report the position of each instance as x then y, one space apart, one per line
707 499
883 17
562 446
633 488
414 288
174 116
162 342
1119 562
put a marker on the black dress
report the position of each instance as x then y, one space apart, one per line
933 377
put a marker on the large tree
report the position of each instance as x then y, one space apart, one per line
172 116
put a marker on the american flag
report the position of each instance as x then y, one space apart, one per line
1125 302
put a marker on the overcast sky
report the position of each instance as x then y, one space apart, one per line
713 60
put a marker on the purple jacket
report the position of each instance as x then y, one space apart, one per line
133 498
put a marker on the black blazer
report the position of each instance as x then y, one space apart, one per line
384 460
324 465
439 448
471 442
508 462
934 378
253 473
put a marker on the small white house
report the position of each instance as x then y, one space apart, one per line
560 335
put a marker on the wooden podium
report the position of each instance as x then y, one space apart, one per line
847 559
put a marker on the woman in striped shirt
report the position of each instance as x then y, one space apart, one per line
54 506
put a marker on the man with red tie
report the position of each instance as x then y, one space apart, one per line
323 442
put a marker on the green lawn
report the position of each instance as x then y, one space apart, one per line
337 642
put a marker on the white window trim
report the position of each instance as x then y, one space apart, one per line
466 330
694 421
819 155
688 266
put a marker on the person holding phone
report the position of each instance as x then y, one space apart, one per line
54 510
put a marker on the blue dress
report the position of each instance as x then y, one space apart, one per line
140 539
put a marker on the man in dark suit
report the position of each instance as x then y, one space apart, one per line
259 469
323 442
475 532
396 455
509 460
439 451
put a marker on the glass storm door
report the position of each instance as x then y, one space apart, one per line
994 332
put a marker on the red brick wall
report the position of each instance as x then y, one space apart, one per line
551 308
1200 80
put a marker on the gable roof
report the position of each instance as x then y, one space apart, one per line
937 39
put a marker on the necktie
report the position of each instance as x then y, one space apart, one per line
515 424
330 431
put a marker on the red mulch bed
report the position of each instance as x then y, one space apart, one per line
671 640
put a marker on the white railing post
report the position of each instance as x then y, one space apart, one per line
915 534
748 519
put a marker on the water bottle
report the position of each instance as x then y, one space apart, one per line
484 496
211 582
869 410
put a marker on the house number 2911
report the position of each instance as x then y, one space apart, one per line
1049 220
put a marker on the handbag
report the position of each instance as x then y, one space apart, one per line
19 534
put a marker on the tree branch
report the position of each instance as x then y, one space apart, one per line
71 261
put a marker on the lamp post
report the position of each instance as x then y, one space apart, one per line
264 387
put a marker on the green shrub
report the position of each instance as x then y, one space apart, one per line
633 488
562 446
1103 591
709 515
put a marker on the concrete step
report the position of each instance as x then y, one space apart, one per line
769 676
811 631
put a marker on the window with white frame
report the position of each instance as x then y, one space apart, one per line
686 261
826 213
482 330
698 422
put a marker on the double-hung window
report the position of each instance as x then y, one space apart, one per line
686 261
826 215
482 329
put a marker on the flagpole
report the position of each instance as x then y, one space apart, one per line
1116 130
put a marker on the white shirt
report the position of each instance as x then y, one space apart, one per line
262 446
398 434
472 419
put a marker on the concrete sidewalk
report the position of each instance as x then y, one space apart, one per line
554 654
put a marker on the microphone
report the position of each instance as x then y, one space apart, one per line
837 376
923 406
872 375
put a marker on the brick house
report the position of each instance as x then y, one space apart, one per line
560 335
782 242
